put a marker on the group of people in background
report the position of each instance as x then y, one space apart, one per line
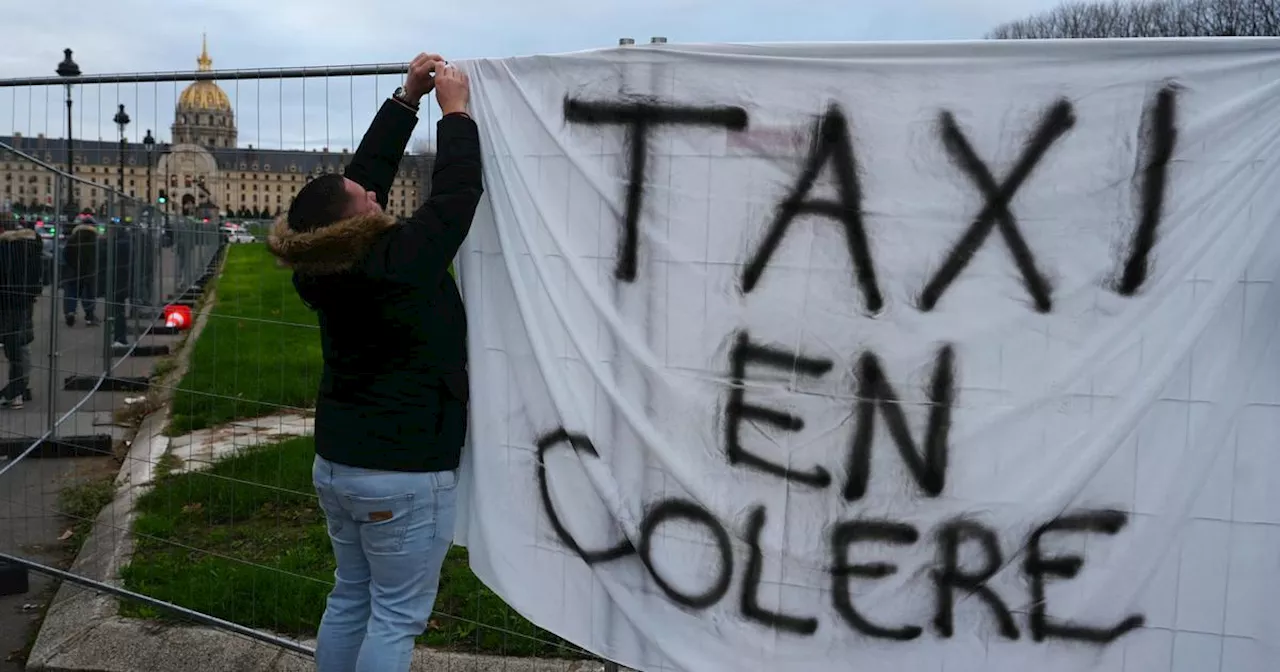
24 272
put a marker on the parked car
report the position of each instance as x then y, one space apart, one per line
236 233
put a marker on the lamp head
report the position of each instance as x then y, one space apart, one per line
68 67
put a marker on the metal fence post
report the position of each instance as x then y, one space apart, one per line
136 263
162 225
51 385
136 276
157 269
109 289
181 239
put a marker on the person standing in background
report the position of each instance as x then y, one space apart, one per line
80 258
20 284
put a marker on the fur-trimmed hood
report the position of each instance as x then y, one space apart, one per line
85 228
331 249
18 234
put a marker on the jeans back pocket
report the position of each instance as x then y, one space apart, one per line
382 520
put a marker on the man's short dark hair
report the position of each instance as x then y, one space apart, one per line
319 203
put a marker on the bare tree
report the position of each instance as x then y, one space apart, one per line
1148 18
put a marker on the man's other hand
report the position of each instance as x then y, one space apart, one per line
453 89
420 82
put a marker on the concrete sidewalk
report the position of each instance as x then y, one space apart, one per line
30 526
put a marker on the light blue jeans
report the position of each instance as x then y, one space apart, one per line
390 532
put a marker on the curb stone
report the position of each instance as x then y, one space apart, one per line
83 631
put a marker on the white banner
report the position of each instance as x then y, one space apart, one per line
882 357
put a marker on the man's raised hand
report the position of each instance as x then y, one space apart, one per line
453 89
420 82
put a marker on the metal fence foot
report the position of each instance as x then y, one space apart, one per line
13 579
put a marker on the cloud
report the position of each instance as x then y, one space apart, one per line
160 35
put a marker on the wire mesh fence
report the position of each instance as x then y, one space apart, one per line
215 521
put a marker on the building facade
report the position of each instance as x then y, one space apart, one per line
202 171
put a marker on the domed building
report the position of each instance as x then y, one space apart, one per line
202 172
204 115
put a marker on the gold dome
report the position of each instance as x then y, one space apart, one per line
204 95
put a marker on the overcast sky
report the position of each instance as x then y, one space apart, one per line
164 35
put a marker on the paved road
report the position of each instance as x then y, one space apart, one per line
30 526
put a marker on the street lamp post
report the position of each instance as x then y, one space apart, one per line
149 144
152 223
115 295
165 148
122 120
152 236
68 68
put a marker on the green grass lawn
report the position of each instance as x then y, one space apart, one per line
245 541
259 352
